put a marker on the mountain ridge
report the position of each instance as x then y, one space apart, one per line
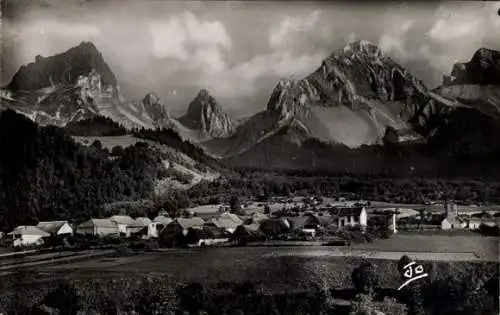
354 94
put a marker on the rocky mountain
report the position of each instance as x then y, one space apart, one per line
458 124
466 108
78 84
350 99
75 85
206 116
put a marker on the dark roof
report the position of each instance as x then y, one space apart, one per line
297 222
274 224
248 229
99 223
207 233
346 211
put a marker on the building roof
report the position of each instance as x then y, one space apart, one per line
248 229
226 221
162 219
141 222
100 223
51 226
346 211
207 233
297 222
122 219
257 217
187 223
274 224
28 230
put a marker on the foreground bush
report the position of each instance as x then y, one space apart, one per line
364 305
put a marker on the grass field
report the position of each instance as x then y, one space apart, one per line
486 247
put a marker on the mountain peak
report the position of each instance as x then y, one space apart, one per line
483 69
364 47
206 115
151 98
200 103
63 68
203 93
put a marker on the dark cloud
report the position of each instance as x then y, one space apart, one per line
239 50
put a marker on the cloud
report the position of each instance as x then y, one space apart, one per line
45 37
284 33
396 40
188 38
243 79
452 26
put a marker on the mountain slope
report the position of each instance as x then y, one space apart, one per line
349 99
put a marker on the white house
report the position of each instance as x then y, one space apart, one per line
122 221
475 223
453 223
158 223
26 235
56 227
101 227
350 216
451 220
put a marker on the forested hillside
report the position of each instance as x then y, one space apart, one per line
95 127
45 175
172 139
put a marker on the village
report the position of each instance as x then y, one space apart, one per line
304 219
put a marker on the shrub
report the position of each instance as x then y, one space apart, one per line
364 305
365 278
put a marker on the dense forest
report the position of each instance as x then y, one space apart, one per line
45 175
254 182
95 127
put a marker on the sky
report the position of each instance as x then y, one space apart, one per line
238 50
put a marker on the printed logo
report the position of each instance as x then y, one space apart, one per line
412 272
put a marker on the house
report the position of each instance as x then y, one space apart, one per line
248 233
157 225
139 224
26 235
306 224
100 227
451 220
453 223
350 216
227 221
275 226
384 219
122 221
56 227
176 231
475 223
206 236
